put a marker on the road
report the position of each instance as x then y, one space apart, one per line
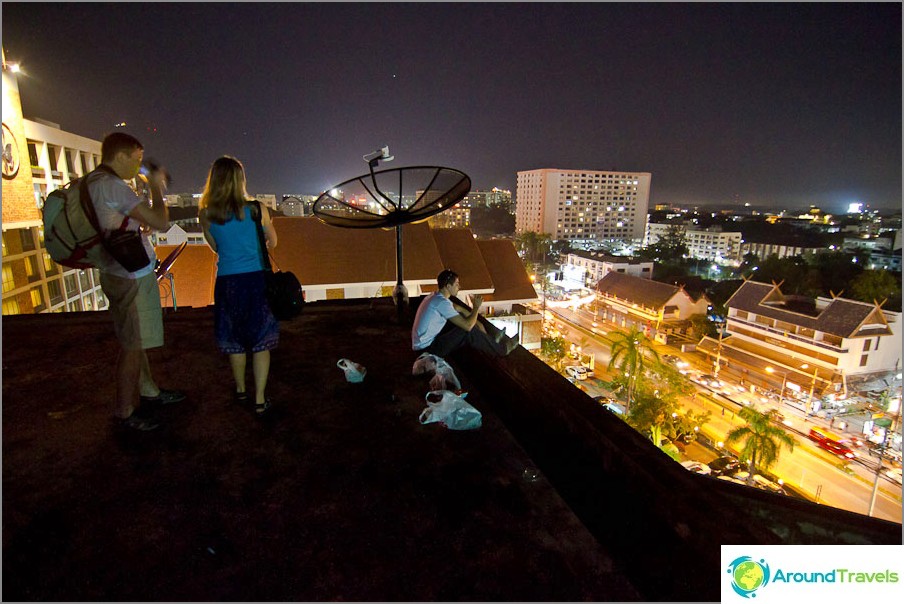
820 475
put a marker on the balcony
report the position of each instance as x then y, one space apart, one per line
342 494
789 335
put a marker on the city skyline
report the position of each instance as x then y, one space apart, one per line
782 105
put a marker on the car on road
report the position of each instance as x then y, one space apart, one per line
696 467
576 371
726 465
616 408
761 482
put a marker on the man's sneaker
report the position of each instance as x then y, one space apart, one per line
133 422
166 397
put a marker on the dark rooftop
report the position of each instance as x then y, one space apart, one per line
341 494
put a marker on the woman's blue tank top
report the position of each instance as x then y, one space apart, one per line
238 248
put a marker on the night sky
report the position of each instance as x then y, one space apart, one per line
775 105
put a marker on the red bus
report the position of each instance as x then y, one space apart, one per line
831 442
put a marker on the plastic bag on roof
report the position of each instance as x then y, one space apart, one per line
450 410
354 372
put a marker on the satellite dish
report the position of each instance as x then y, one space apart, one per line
162 269
391 198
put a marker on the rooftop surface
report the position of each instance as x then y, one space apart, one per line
341 494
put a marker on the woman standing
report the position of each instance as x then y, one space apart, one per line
242 318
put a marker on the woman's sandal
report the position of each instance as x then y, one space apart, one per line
241 398
262 408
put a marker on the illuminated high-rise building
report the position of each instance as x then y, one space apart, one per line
583 205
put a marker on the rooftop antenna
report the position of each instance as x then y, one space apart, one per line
392 198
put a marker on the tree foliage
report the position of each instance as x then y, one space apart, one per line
554 349
793 272
761 440
493 220
535 247
876 286
670 248
629 351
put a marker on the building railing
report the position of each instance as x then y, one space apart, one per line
790 336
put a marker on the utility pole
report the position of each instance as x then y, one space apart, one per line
812 388
718 353
890 426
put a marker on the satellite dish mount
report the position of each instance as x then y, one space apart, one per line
392 198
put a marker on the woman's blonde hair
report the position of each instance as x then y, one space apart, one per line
224 195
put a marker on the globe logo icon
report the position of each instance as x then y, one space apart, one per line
748 575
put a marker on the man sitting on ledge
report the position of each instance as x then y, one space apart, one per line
442 326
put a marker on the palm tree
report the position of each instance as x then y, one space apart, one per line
628 354
762 440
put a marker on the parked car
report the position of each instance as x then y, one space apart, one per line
696 467
725 465
602 400
576 371
616 408
761 482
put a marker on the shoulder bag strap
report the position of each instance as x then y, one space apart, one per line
260 235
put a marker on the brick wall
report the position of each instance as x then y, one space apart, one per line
18 192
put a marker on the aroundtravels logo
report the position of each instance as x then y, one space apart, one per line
748 575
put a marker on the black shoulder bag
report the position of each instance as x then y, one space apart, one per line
126 246
284 293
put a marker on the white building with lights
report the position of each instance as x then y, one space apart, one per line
583 205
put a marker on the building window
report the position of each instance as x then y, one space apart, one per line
28 240
863 360
866 345
37 299
9 282
11 307
54 291
33 155
52 154
71 284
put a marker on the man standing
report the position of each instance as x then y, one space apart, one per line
441 326
133 296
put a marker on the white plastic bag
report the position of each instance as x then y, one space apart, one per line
450 410
444 377
424 364
354 372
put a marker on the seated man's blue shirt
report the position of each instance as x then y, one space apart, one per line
431 317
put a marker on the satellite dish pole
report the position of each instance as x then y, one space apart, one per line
399 292
369 202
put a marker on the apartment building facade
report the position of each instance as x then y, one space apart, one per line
711 243
583 205
42 157
596 265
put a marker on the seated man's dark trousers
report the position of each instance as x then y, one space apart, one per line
452 337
